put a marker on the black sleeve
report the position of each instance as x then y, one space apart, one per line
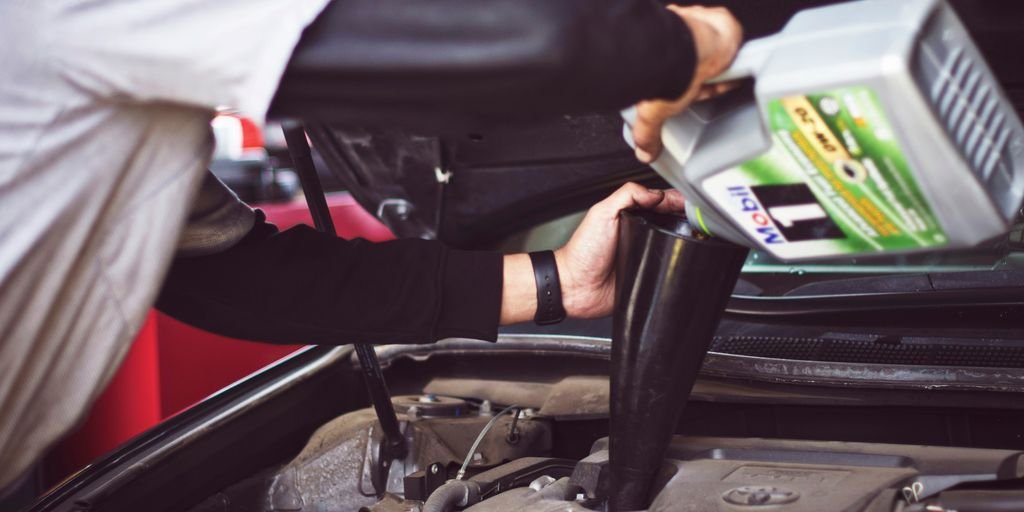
303 286
502 57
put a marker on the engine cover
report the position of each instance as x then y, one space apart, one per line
748 475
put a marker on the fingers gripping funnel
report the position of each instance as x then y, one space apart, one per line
671 290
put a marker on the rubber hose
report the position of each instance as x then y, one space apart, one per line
450 495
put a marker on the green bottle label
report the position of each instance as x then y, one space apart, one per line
835 182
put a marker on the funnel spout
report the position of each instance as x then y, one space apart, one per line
672 287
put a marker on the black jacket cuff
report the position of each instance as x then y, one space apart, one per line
470 295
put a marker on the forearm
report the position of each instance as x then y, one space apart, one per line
586 263
519 290
486 57
302 286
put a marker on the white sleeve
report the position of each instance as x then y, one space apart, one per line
203 53
217 220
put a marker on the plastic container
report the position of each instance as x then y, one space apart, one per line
871 127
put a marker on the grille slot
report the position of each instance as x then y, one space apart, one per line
963 96
966 107
1010 355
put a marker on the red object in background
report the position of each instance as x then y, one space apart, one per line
172 365
350 219
195 363
252 134
126 408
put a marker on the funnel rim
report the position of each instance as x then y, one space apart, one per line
675 225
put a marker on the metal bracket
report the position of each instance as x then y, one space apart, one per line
443 177
393 446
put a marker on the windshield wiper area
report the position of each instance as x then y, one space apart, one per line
968 291
913 283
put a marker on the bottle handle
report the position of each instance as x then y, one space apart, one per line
748 62
752 55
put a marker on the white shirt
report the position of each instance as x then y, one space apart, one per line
105 108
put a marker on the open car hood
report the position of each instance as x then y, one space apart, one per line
473 183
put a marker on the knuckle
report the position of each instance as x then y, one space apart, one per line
646 115
641 135
631 191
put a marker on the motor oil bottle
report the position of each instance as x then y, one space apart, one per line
871 127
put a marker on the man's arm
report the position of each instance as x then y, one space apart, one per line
388 60
303 286
516 57
586 262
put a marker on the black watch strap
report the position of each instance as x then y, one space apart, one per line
549 289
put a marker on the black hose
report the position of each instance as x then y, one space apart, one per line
454 493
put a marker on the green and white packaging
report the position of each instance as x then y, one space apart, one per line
872 127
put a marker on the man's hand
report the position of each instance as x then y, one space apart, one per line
586 265
717 36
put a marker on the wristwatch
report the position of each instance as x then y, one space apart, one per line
549 289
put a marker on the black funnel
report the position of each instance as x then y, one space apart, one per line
672 286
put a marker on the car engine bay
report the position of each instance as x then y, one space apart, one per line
486 443
513 469
551 451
